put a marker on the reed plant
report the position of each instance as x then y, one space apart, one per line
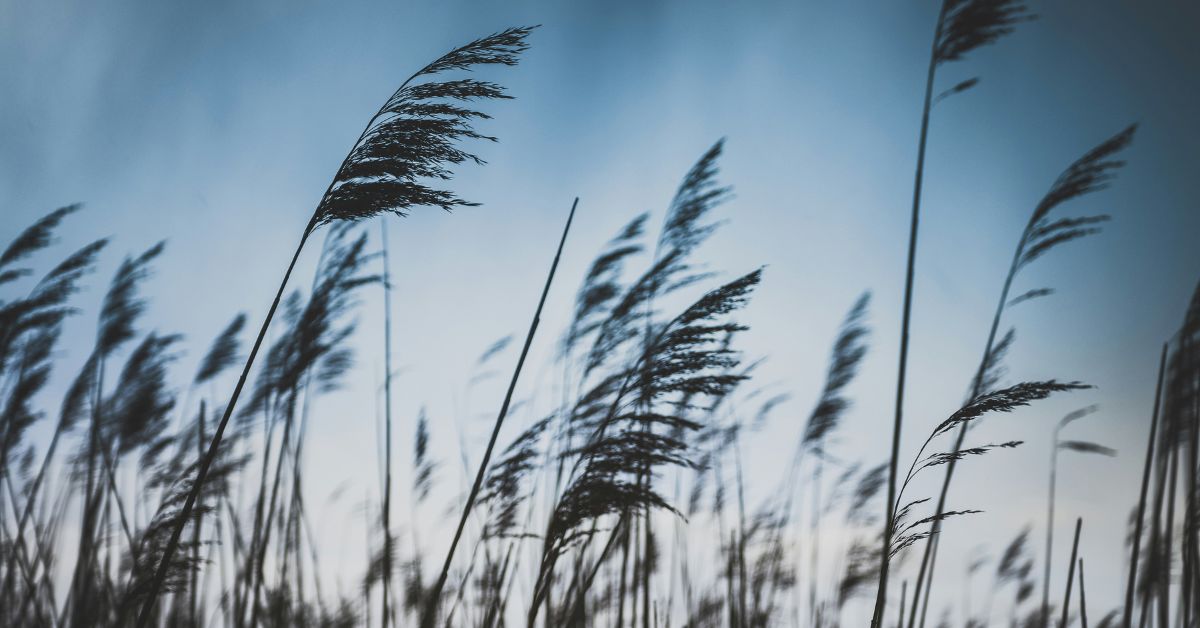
625 492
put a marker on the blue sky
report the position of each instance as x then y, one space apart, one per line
217 126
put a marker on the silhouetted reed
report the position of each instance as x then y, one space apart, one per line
412 138
1042 233
962 26
1056 446
628 501
430 613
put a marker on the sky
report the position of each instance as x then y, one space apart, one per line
217 126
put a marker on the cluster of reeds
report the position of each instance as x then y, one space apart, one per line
625 505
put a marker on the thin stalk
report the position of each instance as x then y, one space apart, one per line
1127 617
293 540
624 570
675 554
633 571
814 554
494 603
17 545
507 593
1083 598
251 550
312 548
735 619
741 531
464 582
428 615
1164 582
81 581
31 500
293 546
387 417
578 598
194 607
258 575
925 602
222 601
648 564
929 556
881 595
206 462
1066 607
1160 488
111 487
1191 559
1184 369
1189 516
366 590
1050 530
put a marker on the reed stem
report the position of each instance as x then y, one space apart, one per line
429 613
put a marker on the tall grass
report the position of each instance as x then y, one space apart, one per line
1043 233
1140 518
1057 445
411 138
626 500
658 396
962 26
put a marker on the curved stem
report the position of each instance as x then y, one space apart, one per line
881 594
206 462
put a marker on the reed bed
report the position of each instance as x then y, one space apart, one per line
165 498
